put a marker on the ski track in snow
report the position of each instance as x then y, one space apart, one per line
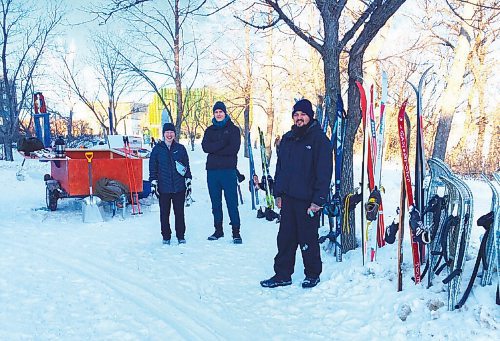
188 323
62 279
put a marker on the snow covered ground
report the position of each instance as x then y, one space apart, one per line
63 279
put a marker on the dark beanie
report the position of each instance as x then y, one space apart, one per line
219 105
305 106
168 127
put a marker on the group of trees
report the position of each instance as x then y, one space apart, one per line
24 39
273 52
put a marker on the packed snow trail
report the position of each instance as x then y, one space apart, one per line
62 279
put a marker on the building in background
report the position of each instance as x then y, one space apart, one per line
198 105
129 117
133 123
197 110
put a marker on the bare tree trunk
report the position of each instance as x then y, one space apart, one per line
468 156
270 86
355 70
481 77
7 147
192 137
449 99
248 91
461 158
493 160
269 131
112 117
177 65
246 114
70 125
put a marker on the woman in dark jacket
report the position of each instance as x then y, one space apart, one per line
168 170
222 142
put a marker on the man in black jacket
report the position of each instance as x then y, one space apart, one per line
167 161
301 184
222 142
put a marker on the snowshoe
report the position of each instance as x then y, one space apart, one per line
166 242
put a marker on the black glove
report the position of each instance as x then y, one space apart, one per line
240 176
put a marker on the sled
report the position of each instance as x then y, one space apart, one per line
69 176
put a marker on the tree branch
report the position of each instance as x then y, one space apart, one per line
296 29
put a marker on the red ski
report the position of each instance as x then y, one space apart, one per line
409 192
362 103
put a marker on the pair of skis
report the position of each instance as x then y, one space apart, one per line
402 208
265 170
415 204
333 208
254 192
373 233
325 120
404 145
420 171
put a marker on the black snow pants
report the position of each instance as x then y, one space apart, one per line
177 201
297 228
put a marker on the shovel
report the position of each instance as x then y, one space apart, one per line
20 172
92 212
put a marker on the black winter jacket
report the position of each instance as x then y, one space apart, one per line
305 165
162 167
222 145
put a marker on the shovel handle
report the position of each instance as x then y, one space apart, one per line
89 156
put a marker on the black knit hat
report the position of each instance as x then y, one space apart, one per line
305 106
168 127
219 105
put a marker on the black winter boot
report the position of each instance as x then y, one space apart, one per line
276 281
217 234
310 282
236 236
260 213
